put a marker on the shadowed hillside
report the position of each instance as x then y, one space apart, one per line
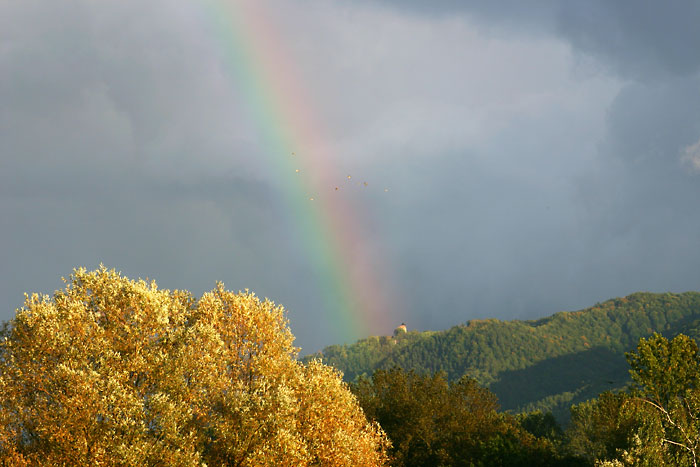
542 364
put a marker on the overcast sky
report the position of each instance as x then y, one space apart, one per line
541 156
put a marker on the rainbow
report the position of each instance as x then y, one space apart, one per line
326 222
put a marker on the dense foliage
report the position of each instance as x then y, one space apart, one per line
546 364
111 371
431 421
654 423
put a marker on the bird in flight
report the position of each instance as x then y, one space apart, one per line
337 188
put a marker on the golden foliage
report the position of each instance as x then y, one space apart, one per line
111 371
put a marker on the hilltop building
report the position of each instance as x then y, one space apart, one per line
400 330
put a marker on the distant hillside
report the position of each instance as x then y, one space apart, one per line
545 364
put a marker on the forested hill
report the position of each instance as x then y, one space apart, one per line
544 364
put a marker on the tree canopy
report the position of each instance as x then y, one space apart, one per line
431 421
111 371
547 364
654 422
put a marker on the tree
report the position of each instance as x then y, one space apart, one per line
665 370
541 425
432 422
655 422
667 375
601 428
111 371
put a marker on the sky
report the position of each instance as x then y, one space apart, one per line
520 158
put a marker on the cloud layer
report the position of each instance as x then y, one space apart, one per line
538 159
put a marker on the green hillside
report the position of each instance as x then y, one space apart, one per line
544 364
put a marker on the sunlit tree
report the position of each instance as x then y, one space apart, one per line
111 371
667 374
653 423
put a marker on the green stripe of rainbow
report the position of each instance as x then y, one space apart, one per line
283 113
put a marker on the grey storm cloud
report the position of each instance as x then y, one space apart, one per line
632 221
640 40
540 155
642 200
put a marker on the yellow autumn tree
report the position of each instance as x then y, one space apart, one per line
111 371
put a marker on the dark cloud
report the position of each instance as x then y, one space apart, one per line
640 202
635 212
638 40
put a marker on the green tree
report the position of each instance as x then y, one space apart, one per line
667 373
601 428
433 422
541 425
653 423
664 370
